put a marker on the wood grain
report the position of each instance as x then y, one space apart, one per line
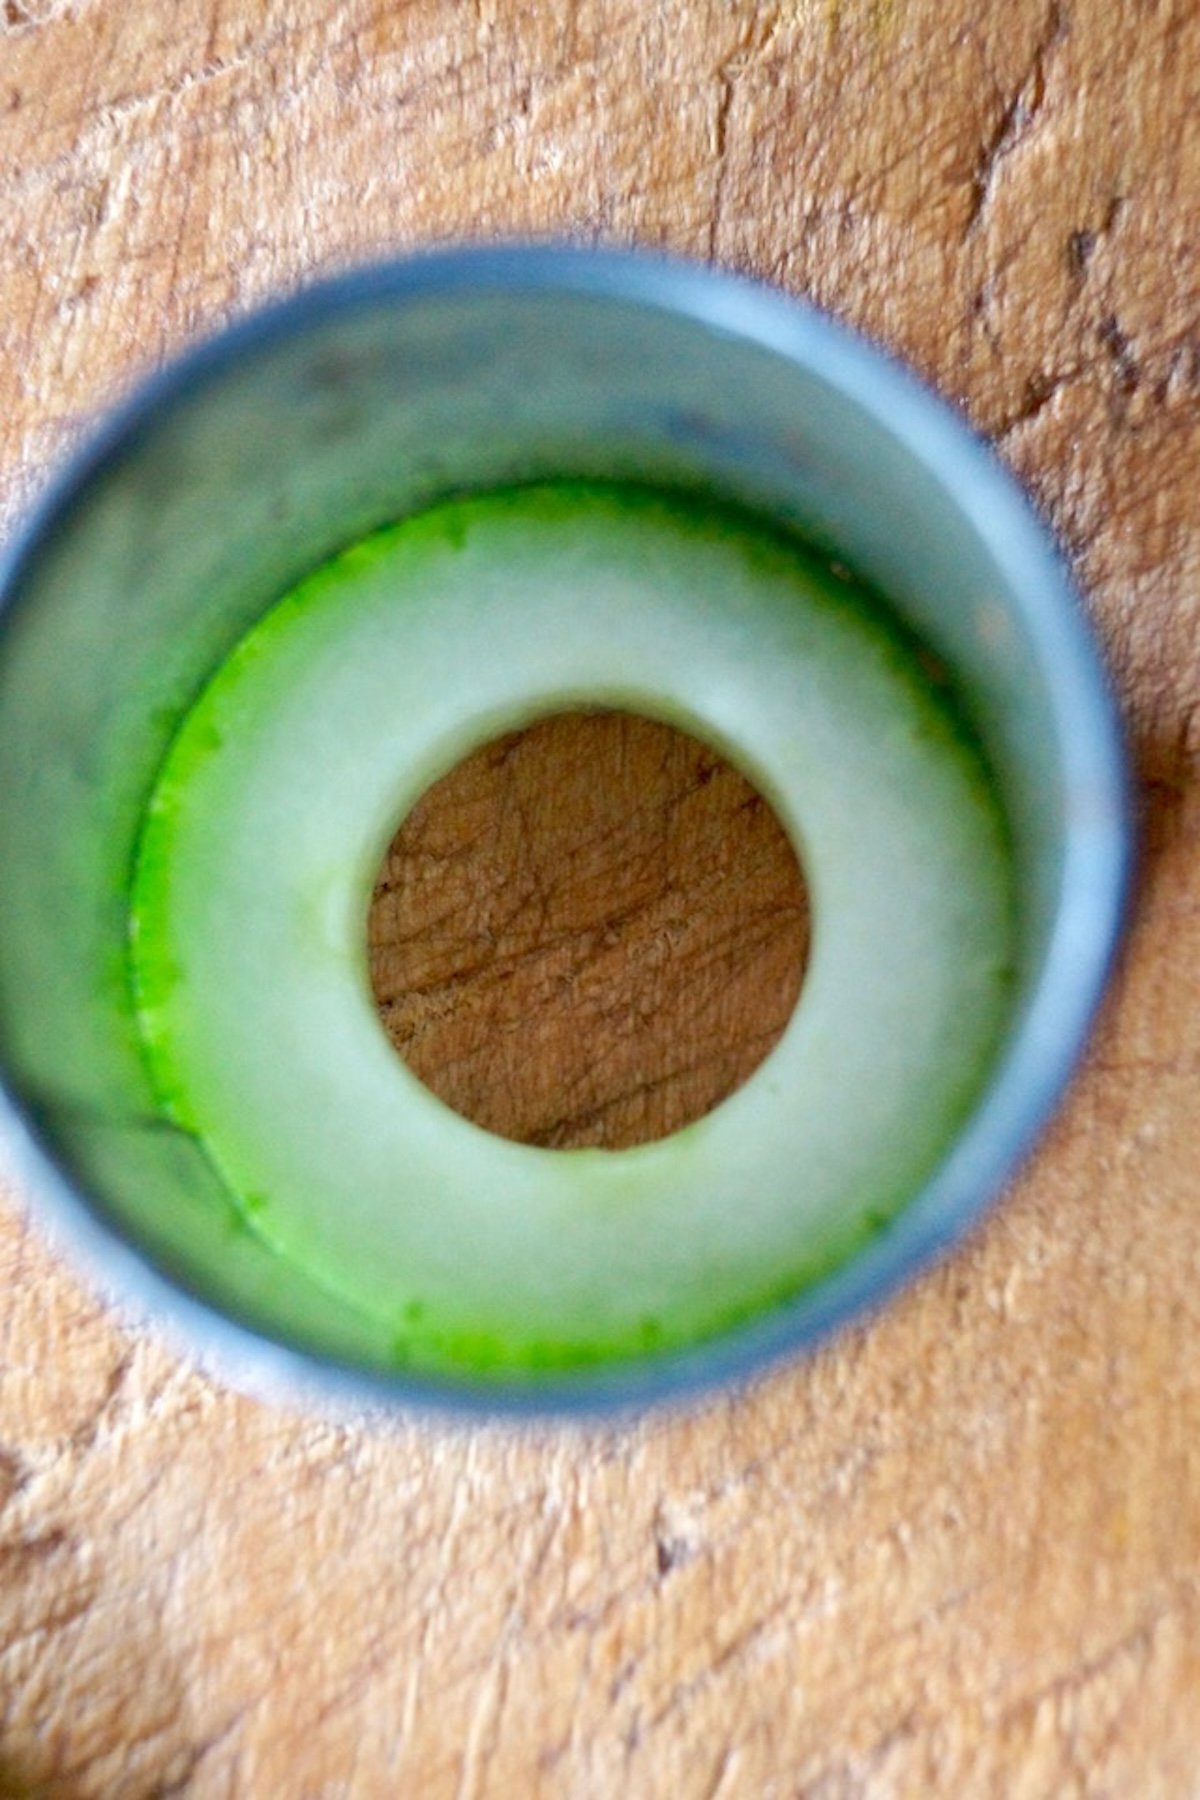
959 1552
589 933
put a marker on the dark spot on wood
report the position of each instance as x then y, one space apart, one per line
672 1549
622 1678
19 15
1120 350
14 1474
1080 246
26 1551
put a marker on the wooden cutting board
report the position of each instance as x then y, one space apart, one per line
959 1552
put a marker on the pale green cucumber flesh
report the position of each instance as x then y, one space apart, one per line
311 742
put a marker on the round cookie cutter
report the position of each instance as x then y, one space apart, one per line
254 458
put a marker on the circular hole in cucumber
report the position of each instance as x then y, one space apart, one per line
589 932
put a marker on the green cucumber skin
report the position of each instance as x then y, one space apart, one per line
425 1337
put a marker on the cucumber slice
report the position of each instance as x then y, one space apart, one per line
381 671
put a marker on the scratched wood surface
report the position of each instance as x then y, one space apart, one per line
957 1553
589 933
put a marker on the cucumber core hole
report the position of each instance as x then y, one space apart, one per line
588 933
